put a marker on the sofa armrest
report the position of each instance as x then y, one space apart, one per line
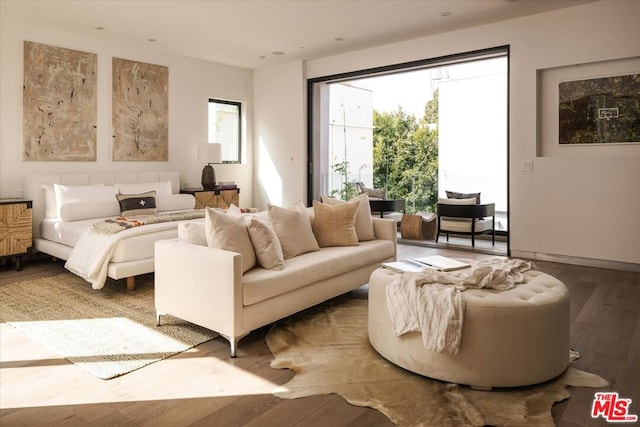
199 284
387 229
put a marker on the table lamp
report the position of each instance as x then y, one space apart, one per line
210 154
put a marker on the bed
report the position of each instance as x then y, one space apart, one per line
58 228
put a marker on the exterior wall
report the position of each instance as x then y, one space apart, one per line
562 207
351 110
191 83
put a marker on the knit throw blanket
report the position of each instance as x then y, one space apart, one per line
430 301
115 225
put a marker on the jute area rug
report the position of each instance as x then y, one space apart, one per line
108 332
328 349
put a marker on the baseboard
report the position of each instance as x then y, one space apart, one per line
589 262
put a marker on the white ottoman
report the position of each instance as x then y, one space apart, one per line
511 338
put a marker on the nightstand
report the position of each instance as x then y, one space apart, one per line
15 229
216 198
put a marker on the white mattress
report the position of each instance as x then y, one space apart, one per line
130 249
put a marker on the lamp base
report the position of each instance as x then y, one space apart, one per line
208 178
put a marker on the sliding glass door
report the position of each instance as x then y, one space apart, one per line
414 130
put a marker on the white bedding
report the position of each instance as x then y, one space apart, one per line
93 252
129 249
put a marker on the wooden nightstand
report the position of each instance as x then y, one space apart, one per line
15 229
214 199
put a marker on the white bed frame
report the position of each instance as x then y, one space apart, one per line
33 191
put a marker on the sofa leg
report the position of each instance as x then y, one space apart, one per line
131 283
158 314
233 341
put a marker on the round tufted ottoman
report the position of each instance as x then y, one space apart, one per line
510 338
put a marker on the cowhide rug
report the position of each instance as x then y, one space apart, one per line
328 348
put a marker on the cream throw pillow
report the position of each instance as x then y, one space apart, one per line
293 228
364 223
229 232
335 225
266 244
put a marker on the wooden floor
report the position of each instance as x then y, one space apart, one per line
205 387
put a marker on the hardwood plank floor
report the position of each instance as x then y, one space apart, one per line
204 387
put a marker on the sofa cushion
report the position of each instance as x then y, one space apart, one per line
463 225
260 284
266 244
229 232
293 228
335 225
364 224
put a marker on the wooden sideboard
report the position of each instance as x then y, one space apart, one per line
15 228
221 199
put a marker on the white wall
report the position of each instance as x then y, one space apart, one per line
280 149
191 83
576 206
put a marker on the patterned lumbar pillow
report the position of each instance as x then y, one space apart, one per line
137 204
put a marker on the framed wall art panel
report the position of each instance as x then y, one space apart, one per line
59 104
140 111
589 109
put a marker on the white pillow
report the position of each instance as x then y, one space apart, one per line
175 202
266 244
471 201
229 232
50 205
364 223
192 232
83 193
293 228
161 188
75 211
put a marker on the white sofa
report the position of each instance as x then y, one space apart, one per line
206 286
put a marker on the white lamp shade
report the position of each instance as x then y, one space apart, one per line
210 153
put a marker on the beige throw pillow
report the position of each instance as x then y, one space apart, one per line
335 225
293 228
229 232
266 244
364 223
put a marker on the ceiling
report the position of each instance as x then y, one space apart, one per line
256 33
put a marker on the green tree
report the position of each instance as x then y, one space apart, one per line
405 156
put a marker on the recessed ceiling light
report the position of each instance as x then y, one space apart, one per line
277 52
99 28
445 14
339 39
151 40
262 56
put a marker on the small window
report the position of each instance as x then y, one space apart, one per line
225 129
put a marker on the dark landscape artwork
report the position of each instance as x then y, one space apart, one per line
600 111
